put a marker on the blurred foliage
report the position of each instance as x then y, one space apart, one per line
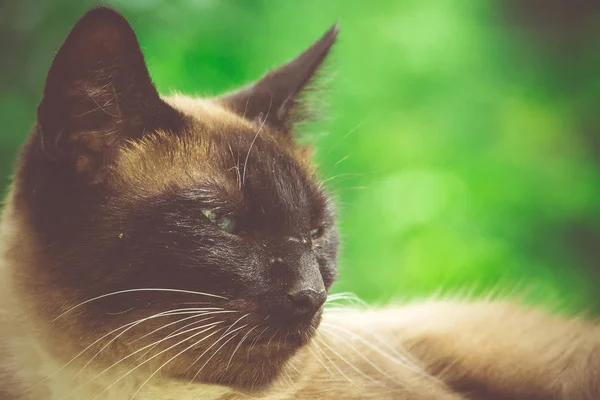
462 141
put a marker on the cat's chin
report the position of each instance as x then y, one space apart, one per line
255 365
254 369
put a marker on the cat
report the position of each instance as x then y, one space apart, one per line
183 248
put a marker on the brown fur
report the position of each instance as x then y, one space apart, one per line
109 195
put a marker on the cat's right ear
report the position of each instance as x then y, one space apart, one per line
99 95
277 98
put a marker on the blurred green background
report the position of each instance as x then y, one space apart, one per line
463 135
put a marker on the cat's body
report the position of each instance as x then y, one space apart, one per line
177 248
433 350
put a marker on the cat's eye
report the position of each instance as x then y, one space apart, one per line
316 233
224 222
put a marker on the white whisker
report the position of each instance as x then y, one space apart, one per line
211 346
400 359
205 327
254 341
139 290
318 348
348 134
254 140
350 364
236 321
343 175
168 361
272 336
161 314
320 361
216 351
375 367
174 333
221 311
238 346
181 311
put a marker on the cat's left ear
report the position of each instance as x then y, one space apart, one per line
275 98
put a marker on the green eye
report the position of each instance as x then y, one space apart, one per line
211 215
316 233
224 222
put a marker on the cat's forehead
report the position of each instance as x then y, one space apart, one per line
208 113
216 145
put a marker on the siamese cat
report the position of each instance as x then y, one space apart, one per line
157 248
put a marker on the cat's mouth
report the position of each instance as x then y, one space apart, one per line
272 329
280 340
287 341
251 359
285 337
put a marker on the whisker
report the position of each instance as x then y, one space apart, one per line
293 366
168 361
238 346
318 348
161 314
142 349
320 361
348 344
286 374
402 360
138 290
77 356
154 356
344 175
249 150
237 167
173 334
272 336
341 160
343 139
210 347
254 140
236 321
350 364
347 296
184 311
254 341
285 337
181 320
216 351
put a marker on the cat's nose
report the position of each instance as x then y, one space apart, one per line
305 302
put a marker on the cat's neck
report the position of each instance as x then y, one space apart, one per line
42 376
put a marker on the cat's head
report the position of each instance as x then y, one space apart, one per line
196 218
